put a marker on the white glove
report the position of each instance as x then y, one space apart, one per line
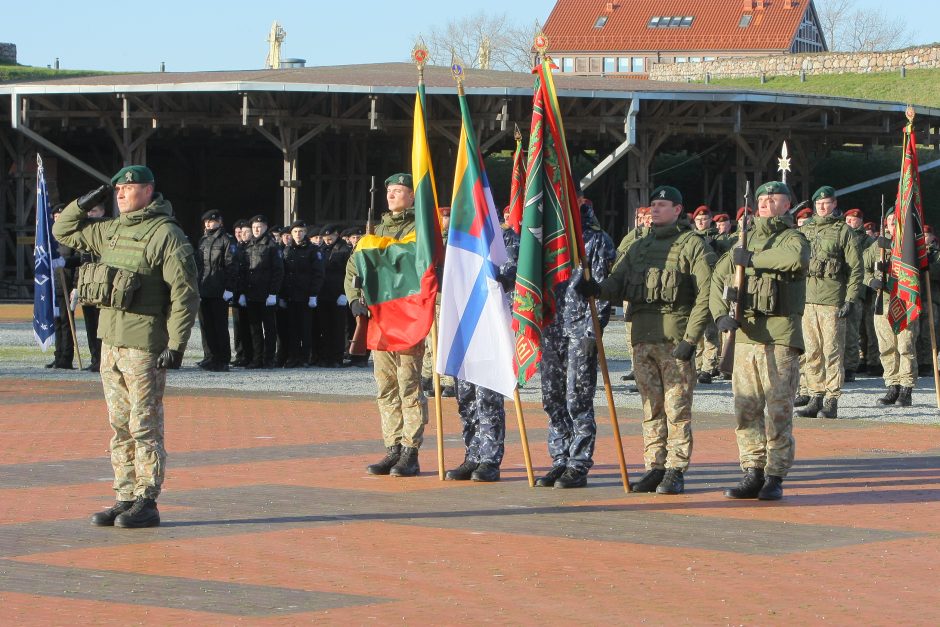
242 301
342 301
73 300
227 296
282 303
312 302
271 301
58 262
55 312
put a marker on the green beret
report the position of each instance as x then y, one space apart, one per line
665 192
402 178
132 174
824 192
773 187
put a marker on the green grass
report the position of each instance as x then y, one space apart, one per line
920 87
10 73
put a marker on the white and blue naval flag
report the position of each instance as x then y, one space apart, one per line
44 299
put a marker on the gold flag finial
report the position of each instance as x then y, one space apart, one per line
517 134
419 54
783 163
910 113
541 43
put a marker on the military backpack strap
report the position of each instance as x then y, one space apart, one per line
672 259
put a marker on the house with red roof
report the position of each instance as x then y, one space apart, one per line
625 37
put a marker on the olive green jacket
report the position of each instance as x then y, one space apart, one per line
629 238
665 276
392 225
168 254
776 284
836 271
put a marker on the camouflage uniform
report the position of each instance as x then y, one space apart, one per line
569 358
402 404
897 352
666 278
136 326
834 277
634 234
768 344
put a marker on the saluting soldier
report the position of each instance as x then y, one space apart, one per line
146 287
833 285
218 278
402 404
666 278
769 341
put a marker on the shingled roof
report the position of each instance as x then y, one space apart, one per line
716 25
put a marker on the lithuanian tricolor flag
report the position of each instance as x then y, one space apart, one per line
400 274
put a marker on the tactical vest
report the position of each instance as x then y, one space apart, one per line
772 293
663 286
123 279
826 255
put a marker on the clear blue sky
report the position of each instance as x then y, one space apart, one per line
213 35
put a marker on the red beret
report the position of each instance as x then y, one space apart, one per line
741 211
642 211
805 212
721 217
854 213
870 225
700 210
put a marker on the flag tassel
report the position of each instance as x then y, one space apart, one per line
523 436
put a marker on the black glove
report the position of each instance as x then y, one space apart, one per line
170 358
876 284
884 242
741 257
684 351
508 282
727 323
358 308
845 310
588 288
94 198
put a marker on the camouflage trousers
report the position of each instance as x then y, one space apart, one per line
483 415
569 379
821 364
765 378
402 404
898 353
852 355
665 385
133 389
706 355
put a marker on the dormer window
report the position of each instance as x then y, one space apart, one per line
745 20
601 21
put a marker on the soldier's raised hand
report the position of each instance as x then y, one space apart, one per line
94 198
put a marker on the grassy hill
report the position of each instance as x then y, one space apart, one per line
921 87
10 73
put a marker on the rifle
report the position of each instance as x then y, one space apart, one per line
734 294
357 346
880 296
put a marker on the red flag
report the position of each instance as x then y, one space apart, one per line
517 191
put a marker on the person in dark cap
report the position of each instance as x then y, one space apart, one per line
90 312
855 325
260 277
69 260
303 280
803 215
147 289
218 278
402 404
243 348
769 340
722 223
332 308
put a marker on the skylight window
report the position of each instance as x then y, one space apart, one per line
686 21
653 23
745 21
600 22
670 21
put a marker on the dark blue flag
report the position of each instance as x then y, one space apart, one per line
44 300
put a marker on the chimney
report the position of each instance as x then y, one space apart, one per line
610 6
760 5
748 5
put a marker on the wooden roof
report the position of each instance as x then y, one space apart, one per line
715 26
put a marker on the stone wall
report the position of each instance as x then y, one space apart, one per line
7 54
793 64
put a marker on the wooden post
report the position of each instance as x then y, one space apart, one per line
66 301
438 409
524 437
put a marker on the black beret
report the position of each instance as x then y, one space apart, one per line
298 224
258 218
313 230
58 208
329 229
212 214
242 224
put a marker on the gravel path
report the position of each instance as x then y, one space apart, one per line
20 357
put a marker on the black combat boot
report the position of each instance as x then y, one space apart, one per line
750 485
407 465
550 477
427 385
830 408
628 377
572 478
772 490
448 391
849 376
649 481
673 482
704 377
801 400
143 513
812 407
487 472
904 397
461 472
106 518
385 466
894 391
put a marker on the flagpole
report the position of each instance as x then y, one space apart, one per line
66 301
523 436
438 409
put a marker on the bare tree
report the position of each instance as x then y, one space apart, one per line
861 30
483 39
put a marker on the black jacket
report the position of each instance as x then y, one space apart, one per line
261 269
335 258
215 262
303 272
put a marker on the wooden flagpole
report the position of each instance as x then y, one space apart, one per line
933 338
438 409
524 437
66 301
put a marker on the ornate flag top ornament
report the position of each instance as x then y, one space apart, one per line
420 55
783 163
457 70
909 113
517 134
541 45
